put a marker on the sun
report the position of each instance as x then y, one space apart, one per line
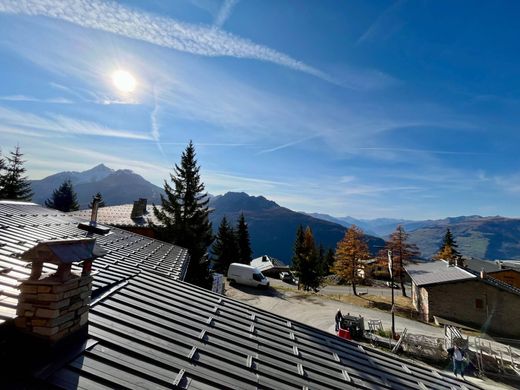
124 81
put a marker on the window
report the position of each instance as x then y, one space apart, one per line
479 303
258 277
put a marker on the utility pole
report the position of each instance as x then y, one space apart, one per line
391 269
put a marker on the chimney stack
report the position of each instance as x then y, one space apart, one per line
54 306
139 209
482 274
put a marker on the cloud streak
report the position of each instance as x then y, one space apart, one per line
61 124
167 32
224 12
31 99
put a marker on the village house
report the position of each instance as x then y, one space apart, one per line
445 291
84 305
505 271
136 217
270 266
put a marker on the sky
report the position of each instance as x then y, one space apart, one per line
398 109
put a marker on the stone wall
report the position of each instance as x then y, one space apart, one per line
476 303
53 309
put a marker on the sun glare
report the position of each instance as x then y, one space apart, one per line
123 81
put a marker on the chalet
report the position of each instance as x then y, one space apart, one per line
462 295
136 217
85 306
269 266
504 271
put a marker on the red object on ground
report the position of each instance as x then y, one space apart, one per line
344 334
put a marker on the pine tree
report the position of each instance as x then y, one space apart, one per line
101 201
349 251
63 198
184 216
329 258
225 247
14 185
402 253
243 241
298 249
2 173
448 250
310 267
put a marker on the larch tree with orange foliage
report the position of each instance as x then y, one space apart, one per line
350 250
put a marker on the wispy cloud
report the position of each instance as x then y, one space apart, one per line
423 151
154 122
167 32
224 12
24 98
385 25
287 145
61 124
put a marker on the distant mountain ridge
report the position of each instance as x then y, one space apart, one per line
493 237
273 228
117 186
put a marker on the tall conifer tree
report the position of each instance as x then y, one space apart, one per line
448 250
2 173
225 247
13 183
184 216
310 267
63 198
298 249
243 241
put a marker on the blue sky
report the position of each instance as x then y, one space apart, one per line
405 109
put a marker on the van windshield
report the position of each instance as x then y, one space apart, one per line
258 277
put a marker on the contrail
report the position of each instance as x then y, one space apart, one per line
118 19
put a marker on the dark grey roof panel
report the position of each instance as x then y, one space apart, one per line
23 225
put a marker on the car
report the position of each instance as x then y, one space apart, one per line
286 277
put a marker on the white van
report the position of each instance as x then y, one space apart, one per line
246 275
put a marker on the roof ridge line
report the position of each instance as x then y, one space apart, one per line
106 291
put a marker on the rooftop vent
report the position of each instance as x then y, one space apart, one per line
92 226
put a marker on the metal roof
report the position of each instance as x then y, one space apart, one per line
155 333
147 329
482 265
23 225
120 216
436 272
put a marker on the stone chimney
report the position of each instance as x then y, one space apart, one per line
54 306
139 208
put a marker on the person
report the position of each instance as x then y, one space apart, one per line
457 355
338 319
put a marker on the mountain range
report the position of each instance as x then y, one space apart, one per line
116 186
491 238
273 227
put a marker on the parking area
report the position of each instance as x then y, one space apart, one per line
317 310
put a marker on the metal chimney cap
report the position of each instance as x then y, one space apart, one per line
64 251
